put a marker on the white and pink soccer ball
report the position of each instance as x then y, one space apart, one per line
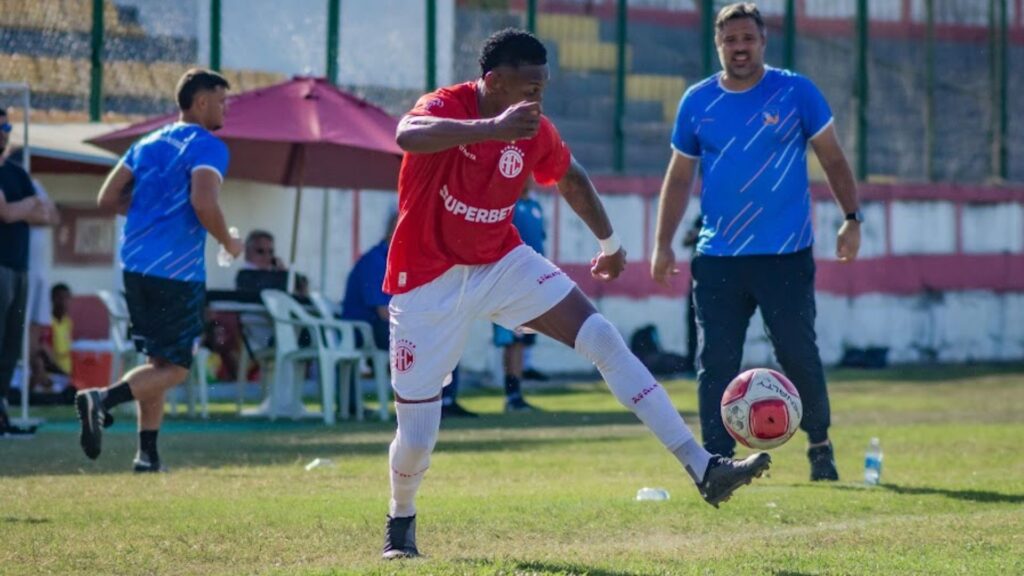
761 409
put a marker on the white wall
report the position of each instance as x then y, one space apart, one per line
382 42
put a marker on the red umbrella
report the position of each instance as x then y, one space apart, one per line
303 132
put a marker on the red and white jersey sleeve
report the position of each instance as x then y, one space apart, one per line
455 206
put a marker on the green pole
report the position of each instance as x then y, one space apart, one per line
215 35
789 36
861 97
929 94
333 33
1004 59
707 35
531 16
619 161
431 45
96 62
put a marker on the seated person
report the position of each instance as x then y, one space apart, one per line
257 329
50 351
366 301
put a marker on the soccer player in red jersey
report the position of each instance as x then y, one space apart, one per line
456 257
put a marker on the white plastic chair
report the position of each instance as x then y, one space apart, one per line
332 356
378 358
126 357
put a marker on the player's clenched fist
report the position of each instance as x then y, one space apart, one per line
608 266
519 121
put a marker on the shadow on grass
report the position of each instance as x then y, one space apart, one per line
245 443
925 373
981 496
14 520
536 567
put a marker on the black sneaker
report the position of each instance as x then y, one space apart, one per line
455 410
823 463
91 414
725 475
519 405
534 374
142 465
400 538
12 432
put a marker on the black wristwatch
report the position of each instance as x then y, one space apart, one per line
857 216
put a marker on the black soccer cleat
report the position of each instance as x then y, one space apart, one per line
823 463
519 405
91 415
400 538
142 465
725 475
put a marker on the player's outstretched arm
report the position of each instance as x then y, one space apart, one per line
579 192
116 192
671 208
427 134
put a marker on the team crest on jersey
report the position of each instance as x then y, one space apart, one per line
511 162
770 116
435 103
403 355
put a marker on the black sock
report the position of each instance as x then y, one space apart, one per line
512 389
117 394
147 445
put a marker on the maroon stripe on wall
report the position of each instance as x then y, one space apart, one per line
651 186
893 275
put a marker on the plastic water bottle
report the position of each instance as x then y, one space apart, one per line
873 463
224 258
656 494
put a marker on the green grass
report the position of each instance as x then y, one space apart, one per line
550 493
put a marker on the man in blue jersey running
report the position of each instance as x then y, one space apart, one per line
168 185
749 126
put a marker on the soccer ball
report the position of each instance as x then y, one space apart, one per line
761 409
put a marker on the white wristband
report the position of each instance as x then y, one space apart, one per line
610 245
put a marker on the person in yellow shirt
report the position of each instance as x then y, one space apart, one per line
61 325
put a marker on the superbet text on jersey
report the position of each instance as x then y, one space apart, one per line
455 206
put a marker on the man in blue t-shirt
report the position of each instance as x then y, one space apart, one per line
749 127
168 185
528 218
366 301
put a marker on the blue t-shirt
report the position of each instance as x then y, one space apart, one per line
528 219
162 235
752 147
364 290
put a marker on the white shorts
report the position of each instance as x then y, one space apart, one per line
38 300
430 324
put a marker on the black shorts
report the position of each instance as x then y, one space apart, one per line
166 316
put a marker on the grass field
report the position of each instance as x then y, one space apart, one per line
549 493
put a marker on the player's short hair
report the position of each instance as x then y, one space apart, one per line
512 47
3 110
197 80
737 11
255 235
58 288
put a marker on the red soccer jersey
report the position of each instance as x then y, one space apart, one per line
455 206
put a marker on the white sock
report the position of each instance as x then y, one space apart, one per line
636 389
410 453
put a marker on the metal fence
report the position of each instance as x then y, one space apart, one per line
922 90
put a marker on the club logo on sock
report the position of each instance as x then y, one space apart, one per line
402 355
644 393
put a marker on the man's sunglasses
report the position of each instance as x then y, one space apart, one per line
265 251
